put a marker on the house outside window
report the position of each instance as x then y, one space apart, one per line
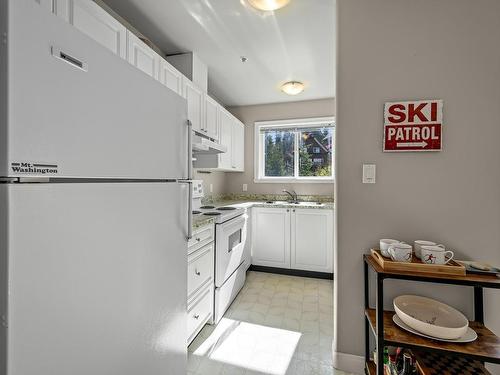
295 150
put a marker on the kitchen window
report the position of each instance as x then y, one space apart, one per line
295 150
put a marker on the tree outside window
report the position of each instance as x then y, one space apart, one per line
300 152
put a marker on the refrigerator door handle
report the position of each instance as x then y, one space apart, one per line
189 184
190 150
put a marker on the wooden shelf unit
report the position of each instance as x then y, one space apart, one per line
485 349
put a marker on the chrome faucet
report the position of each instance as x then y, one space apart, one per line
293 195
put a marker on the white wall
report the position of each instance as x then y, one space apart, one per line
267 112
405 49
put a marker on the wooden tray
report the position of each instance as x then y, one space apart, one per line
416 265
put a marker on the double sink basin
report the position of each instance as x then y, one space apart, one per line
294 203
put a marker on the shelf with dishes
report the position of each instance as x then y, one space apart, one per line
485 348
472 342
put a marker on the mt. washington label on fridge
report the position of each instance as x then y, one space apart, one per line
34 168
413 126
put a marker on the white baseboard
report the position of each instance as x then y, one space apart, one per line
354 364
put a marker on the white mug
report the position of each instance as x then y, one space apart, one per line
418 247
384 246
400 252
436 255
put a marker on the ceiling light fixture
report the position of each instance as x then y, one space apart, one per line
292 87
268 5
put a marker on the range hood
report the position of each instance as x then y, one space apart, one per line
205 146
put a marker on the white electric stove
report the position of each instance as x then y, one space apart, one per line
220 214
230 245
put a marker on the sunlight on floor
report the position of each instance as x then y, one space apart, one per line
250 346
277 325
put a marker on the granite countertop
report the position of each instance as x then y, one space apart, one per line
200 221
277 204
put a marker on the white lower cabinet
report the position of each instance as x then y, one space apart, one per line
312 240
200 312
293 238
271 237
200 282
247 252
200 269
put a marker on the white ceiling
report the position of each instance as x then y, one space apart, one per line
296 42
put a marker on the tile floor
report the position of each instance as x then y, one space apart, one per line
278 325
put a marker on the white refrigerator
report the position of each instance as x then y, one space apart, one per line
94 206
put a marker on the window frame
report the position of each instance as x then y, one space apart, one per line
259 160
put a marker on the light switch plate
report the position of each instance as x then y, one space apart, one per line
369 173
245 187
211 188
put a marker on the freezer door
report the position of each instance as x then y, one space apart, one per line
75 109
97 279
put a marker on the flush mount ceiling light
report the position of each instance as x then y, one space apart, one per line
268 5
292 87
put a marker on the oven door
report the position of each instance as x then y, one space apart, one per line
230 241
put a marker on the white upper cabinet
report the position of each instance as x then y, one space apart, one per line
47 4
195 101
312 240
170 77
226 139
142 56
238 146
212 109
271 237
91 19
62 8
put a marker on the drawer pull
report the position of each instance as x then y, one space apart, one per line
197 316
198 239
198 273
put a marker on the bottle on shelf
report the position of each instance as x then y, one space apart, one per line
407 365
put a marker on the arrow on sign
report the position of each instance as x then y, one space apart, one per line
412 144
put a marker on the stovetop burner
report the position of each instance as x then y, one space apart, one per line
212 213
196 212
226 208
207 207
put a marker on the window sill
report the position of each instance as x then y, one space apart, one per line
293 181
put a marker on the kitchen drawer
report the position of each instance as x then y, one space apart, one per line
200 311
200 269
201 237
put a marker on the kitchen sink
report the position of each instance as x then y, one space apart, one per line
296 203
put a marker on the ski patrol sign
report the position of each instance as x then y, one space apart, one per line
413 126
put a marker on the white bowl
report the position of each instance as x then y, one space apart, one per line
431 317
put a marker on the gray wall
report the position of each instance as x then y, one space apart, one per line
268 112
405 49
215 179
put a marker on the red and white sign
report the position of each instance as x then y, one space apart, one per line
413 126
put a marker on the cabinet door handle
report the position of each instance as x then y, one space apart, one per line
198 239
293 210
287 210
197 316
198 273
